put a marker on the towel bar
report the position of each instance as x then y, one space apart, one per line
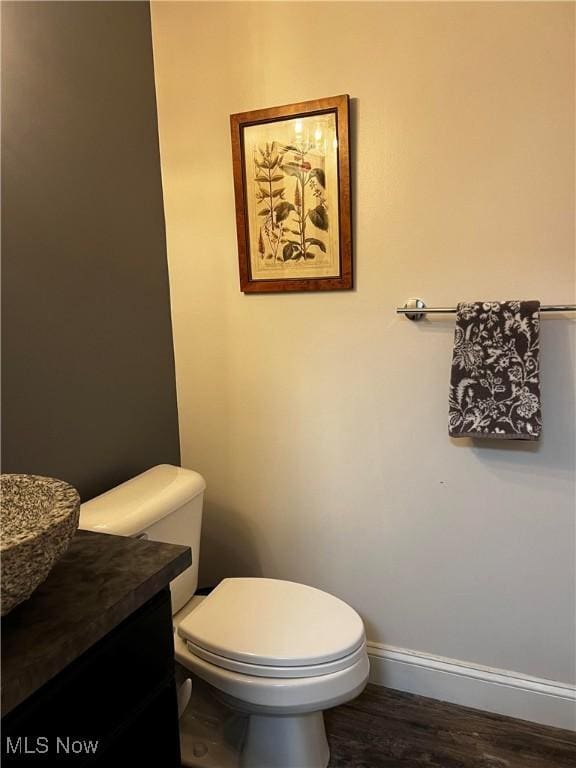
415 309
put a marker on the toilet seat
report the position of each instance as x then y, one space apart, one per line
278 695
269 625
260 670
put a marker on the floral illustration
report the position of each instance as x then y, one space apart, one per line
291 201
494 389
291 184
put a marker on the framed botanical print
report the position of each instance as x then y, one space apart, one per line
292 189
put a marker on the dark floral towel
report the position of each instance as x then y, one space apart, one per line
494 386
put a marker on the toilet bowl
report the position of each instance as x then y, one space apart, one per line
277 651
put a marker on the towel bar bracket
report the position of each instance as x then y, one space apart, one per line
414 304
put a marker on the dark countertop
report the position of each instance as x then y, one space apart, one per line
98 583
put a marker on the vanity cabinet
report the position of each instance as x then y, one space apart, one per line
114 704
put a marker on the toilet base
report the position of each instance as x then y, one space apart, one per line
289 741
218 731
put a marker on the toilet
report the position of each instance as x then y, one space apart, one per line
277 651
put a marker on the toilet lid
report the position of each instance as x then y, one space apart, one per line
274 623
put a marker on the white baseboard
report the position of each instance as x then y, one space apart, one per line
472 685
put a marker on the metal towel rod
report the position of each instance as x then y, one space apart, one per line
415 309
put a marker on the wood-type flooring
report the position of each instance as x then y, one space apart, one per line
388 729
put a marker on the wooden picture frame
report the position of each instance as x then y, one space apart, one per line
292 188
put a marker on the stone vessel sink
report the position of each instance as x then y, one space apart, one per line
39 519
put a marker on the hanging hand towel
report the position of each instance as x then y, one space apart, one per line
494 386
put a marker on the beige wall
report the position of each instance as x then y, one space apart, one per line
319 420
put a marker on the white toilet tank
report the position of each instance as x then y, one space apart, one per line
163 504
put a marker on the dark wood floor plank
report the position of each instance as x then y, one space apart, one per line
389 729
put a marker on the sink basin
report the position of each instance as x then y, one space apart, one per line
39 519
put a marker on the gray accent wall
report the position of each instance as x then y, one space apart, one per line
88 386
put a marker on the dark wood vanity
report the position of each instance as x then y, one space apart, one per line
88 660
